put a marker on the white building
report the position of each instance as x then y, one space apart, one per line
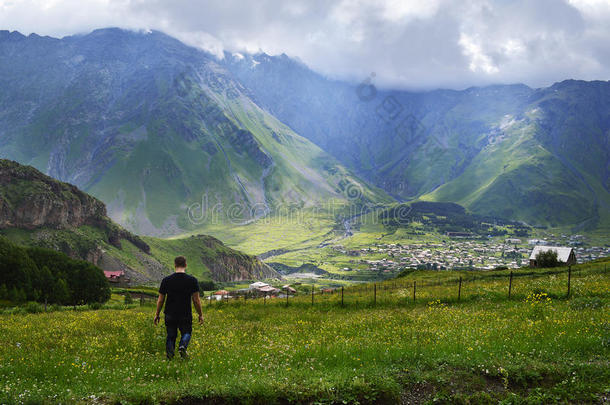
537 242
258 284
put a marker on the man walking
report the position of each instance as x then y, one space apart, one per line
180 289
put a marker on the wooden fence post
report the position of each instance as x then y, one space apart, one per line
460 289
286 297
312 295
414 287
510 284
569 279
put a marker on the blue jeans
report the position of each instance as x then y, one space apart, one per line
171 326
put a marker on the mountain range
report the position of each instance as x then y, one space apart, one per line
153 128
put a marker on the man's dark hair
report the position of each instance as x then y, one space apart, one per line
180 262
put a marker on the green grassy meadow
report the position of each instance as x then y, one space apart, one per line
538 347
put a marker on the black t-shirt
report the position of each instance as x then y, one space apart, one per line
178 289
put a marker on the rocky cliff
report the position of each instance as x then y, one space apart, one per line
29 199
231 268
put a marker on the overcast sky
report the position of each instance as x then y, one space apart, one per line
407 43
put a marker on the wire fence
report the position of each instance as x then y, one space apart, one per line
561 283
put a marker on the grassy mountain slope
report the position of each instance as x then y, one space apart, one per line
540 168
537 155
77 225
153 127
516 177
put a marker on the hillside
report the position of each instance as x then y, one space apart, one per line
37 210
445 218
536 155
161 132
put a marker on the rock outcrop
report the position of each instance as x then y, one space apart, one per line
236 268
224 263
29 199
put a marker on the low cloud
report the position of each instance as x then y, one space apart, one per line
407 43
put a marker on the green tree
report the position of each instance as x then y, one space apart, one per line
22 296
12 294
207 285
86 283
16 267
60 293
45 279
547 258
17 295
3 292
44 275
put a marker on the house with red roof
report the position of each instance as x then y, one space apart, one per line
116 277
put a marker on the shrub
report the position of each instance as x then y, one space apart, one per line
18 311
33 307
95 305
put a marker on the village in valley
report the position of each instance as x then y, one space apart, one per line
454 253
445 236
344 261
386 260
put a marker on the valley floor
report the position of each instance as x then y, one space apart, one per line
537 347
367 250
